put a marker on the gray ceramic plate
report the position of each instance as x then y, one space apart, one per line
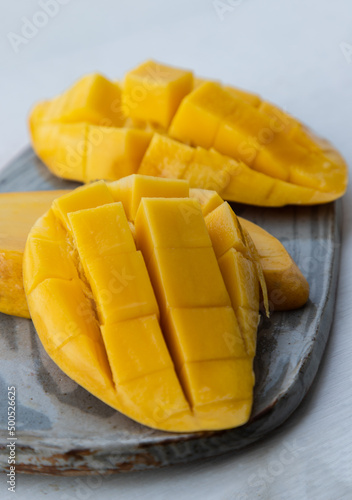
62 429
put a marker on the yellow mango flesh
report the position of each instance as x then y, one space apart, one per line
130 190
18 211
199 115
92 99
189 333
83 152
106 314
127 343
165 158
21 210
230 178
114 152
252 99
90 196
210 116
174 225
287 287
152 92
264 156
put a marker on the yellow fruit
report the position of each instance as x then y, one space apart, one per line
152 92
114 152
246 149
287 288
115 312
93 99
208 169
212 116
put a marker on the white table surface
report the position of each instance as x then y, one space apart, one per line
297 54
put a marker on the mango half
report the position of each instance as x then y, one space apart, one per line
161 121
137 297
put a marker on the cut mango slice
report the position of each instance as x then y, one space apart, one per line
189 334
93 99
210 116
21 210
152 92
230 178
287 287
262 155
130 190
114 152
165 158
155 320
200 113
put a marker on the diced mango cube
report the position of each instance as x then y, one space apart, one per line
121 287
244 177
224 230
203 333
276 157
130 190
90 196
101 231
187 277
158 394
89 358
135 348
242 133
248 320
170 223
48 227
153 92
208 199
241 280
236 143
166 158
200 113
210 170
42 254
93 99
114 152
60 319
212 381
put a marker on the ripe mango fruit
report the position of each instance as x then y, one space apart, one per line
143 307
287 287
162 121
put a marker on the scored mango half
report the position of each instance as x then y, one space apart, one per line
138 298
161 121
286 285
